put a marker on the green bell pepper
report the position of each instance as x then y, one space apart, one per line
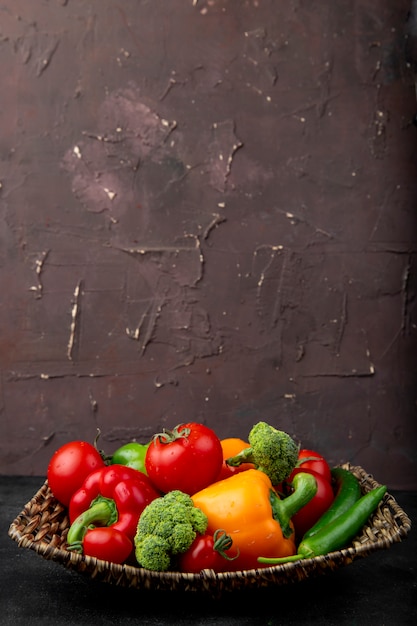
132 455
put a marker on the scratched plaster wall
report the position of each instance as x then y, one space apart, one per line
208 211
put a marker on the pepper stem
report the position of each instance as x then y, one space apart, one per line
279 560
305 488
102 512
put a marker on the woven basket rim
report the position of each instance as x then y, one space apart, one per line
42 525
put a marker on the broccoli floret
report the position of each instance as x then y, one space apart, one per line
167 527
198 520
272 451
153 552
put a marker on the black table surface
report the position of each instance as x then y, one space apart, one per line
380 589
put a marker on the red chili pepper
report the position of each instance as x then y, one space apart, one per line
112 496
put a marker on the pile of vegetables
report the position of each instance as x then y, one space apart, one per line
188 501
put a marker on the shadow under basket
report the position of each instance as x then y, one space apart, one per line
43 525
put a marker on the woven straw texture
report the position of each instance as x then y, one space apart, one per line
43 524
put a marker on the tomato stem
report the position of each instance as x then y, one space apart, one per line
222 542
168 436
106 458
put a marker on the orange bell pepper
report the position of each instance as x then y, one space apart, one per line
232 446
242 506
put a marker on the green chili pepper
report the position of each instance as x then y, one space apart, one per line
347 492
338 533
131 454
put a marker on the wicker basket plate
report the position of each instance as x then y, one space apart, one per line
43 524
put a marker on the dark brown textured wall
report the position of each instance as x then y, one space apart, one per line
208 212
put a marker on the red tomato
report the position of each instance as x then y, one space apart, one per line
188 458
308 515
316 462
204 554
69 467
108 544
231 447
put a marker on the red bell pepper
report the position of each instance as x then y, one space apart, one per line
113 496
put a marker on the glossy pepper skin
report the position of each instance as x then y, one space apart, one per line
232 446
132 455
241 506
339 532
113 496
